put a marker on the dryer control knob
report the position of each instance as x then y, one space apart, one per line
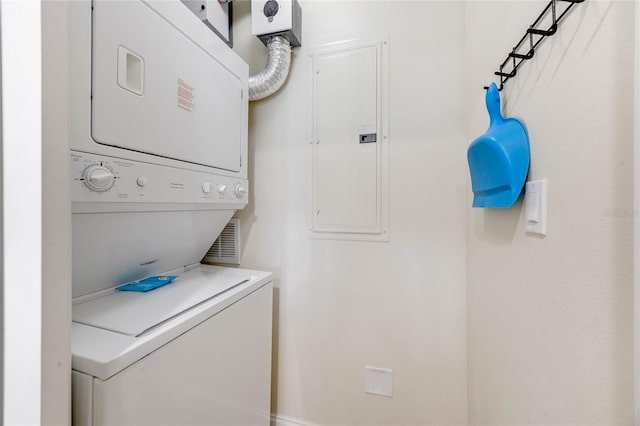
240 191
206 187
98 178
222 188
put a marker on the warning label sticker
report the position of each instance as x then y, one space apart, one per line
185 96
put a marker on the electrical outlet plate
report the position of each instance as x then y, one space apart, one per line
378 381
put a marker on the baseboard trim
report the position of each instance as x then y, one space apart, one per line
277 420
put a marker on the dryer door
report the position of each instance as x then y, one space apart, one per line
157 91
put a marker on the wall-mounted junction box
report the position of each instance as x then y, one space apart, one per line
277 17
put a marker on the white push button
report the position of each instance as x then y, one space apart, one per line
141 181
206 187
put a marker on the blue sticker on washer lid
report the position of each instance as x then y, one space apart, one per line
148 284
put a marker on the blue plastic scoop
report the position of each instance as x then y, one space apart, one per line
499 159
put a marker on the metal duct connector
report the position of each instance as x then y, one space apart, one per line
274 74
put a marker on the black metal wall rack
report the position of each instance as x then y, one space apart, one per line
535 36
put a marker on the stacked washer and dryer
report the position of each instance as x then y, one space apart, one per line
158 167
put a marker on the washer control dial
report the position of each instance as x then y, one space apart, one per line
98 178
240 191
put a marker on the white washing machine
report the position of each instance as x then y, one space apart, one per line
158 105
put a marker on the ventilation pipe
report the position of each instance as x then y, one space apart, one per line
278 24
275 73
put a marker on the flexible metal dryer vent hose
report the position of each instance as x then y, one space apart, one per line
274 74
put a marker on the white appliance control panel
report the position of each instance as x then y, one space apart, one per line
98 178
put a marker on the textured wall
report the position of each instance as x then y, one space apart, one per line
550 319
344 304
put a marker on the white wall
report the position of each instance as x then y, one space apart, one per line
21 211
343 304
549 324
36 215
550 319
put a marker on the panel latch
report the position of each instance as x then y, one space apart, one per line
368 137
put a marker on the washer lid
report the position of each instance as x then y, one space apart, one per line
134 314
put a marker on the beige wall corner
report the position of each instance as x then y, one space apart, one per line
550 319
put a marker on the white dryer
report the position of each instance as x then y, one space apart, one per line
158 167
